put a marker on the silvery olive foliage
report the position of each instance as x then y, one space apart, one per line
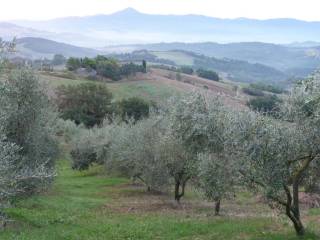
206 128
136 149
6 47
184 139
196 137
28 121
27 146
67 129
279 154
89 146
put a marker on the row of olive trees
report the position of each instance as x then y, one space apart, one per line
197 139
27 146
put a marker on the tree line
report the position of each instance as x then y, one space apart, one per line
106 67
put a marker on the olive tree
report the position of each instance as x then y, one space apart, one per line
6 47
184 139
28 121
180 164
134 151
205 128
84 145
279 153
12 178
218 169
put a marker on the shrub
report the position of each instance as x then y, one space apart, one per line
135 107
253 92
186 70
265 104
68 129
73 64
208 74
83 149
268 88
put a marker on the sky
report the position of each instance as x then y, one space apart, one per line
258 9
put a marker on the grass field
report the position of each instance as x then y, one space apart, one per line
91 206
148 89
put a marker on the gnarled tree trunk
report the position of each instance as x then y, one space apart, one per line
178 194
217 207
292 209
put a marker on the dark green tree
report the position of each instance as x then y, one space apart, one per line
109 68
73 64
265 104
186 70
208 74
144 66
135 107
87 103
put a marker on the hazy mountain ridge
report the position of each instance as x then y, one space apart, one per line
231 69
291 60
131 26
32 48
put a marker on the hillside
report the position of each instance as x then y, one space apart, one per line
9 31
294 60
235 70
131 26
39 48
157 85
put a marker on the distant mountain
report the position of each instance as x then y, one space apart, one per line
131 26
9 31
297 61
43 48
303 44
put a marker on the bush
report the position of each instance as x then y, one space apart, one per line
83 149
86 103
68 129
135 107
89 63
265 104
208 74
73 64
186 70
253 92
268 88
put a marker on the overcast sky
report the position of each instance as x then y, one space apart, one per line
259 9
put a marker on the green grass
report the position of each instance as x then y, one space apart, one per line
75 208
150 90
